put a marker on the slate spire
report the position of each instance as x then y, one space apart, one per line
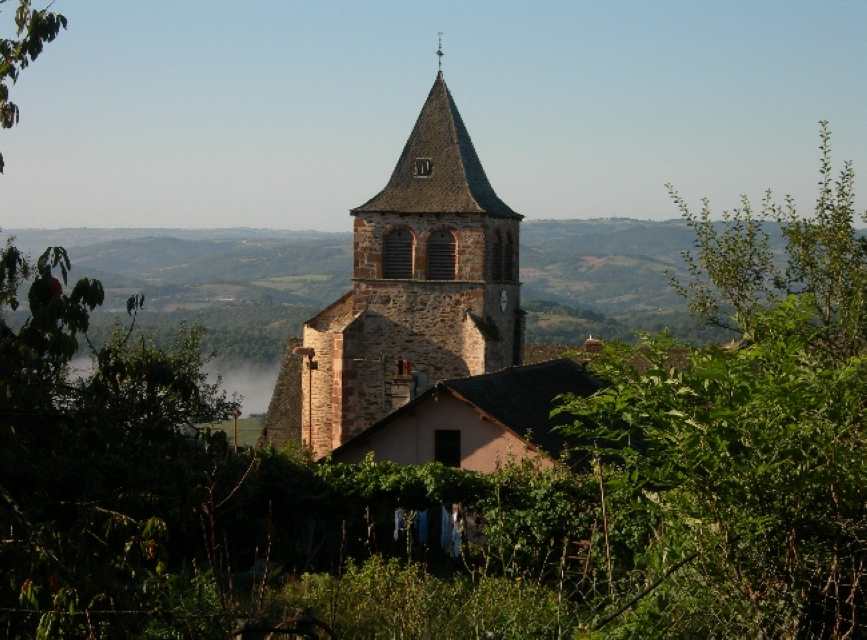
439 171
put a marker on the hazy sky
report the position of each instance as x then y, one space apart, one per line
287 114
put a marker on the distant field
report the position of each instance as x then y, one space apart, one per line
249 430
293 283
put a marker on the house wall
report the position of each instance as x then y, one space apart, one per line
409 438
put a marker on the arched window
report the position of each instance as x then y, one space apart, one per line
397 254
441 256
509 260
497 258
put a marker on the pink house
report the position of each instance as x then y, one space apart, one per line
479 422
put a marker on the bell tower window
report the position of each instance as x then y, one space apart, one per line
397 250
441 254
497 258
509 260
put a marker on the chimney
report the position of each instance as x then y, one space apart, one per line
401 388
593 345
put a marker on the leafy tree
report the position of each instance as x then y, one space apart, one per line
749 463
34 28
95 473
741 469
734 270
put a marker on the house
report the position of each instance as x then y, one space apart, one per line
435 293
478 422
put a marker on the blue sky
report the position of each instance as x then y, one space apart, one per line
287 114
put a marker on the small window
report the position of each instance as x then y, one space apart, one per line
497 258
441 250
447 447
509 260
422 168
397 255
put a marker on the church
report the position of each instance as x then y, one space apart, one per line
435 293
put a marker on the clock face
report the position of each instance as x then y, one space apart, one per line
504 300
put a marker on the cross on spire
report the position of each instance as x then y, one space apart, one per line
439 50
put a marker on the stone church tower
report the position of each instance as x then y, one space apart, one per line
435 290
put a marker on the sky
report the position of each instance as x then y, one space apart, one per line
287 114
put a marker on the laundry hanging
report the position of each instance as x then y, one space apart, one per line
421 523
445 528
399 523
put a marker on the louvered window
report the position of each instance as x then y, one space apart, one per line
497 258
397 255
509 260
441 249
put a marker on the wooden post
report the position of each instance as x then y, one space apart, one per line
235 414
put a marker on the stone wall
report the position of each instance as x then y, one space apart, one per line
446 328
420 322
283 419
474 347
500 353
469 231
317 402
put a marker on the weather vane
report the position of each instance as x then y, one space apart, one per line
440 53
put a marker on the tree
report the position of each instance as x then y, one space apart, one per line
741 469
96 472
734 271
34 28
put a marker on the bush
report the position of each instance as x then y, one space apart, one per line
382 598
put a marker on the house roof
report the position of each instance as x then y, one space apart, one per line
339 312
457 183
521 398
518 398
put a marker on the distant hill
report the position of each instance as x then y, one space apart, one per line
604 276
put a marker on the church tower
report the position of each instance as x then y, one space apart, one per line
435 290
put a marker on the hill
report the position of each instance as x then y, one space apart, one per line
253 287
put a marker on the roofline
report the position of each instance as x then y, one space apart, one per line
487 416
481 212
535 365
380 424
453 118
330 306
439 386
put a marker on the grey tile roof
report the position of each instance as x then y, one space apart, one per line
457 182
522 397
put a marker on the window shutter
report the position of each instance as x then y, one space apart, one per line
441 254
397 255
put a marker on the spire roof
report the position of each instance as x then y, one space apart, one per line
439 171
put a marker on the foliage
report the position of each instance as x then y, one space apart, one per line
33 28
735 269
749 461
386 599
93 470
735 477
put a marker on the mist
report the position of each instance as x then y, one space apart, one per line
252 382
